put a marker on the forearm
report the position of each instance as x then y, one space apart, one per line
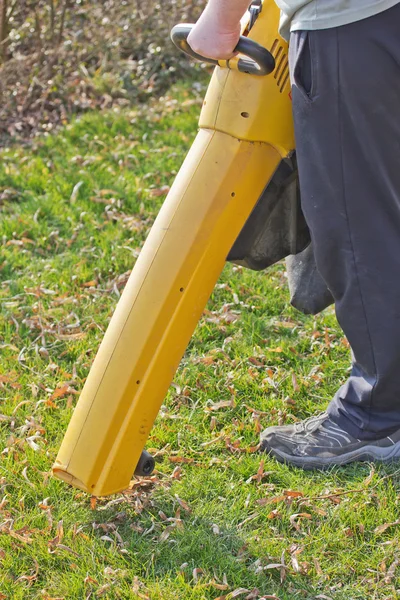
229 12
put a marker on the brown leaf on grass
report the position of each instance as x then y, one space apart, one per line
255 361
10 381
368 479
196 573
181 459
75 192
183 504
67 549
254 411
275 566
218 586
293 494
52 544
25 476
319 511
70 336
239 592
218 405
166 533
250 518
206 360
60 531
385 526
91 283
293 519
21 538
213 441
293 558
274 500
102 590
260 474
93 502
252 449
61 392
317 567
176 473
391 571
30 578
274 514
295 384
90 580
254 594
348 532
162 191
235 594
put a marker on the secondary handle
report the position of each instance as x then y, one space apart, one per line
259 60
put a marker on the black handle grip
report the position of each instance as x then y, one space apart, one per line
261 60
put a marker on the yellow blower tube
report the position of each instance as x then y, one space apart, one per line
219 184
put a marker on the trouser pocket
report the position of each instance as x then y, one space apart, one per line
302 60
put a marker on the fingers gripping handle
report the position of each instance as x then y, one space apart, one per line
259 60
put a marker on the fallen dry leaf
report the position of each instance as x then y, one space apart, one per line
30 578
255 361
295 384
218 586
293 519
183 504
61 392
274 500
274 514
238 592
166 533
162 191
196 573
21 538
391 571
218 405
292 494
385 526
75 191
181 459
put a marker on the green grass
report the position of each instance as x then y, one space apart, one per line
74 212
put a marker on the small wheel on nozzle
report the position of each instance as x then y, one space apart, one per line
145 466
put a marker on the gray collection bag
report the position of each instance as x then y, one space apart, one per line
308 291
276 229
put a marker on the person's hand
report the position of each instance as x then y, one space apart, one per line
212 38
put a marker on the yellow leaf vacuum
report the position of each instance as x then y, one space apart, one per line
233 199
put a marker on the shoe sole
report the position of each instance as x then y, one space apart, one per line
365 454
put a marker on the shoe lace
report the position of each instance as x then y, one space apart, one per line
311 423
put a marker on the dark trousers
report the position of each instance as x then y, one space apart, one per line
346 103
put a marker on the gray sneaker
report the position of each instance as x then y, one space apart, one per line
318 443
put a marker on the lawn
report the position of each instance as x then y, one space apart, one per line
217 519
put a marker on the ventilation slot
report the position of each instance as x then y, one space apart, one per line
281 73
